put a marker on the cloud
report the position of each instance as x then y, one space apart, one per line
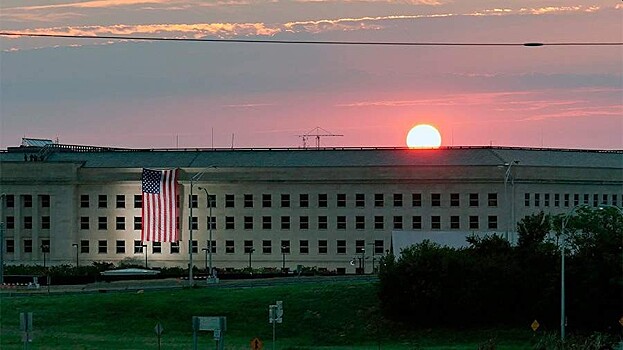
402 2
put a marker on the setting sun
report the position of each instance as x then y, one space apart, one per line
423 136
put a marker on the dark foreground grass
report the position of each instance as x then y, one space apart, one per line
329 315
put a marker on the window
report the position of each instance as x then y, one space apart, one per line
285 201
526 201
341 246
492 199
10 222
304 247
194 223
341 200
360 246
248 222
435 199
194 246
576 199
84 246
537 199
416 223
304 200
230 247
267 222
379 246
341 223
248 247
322 200
360 200
138 247
604 199
120 201
45 222
120 247
102 247
267 246
556 199
379 200
586 197
360 222
211 222
397 199
10 246
416 199
193 201
455 222
248 201
615 200
211 201
120 223
546 199
156 247
28 222
473 222
229 201
102 201
267 201
138 224
138 201
397 222
323 246
229 223
285 247
175 248
84 201
211 246
45 200
322 223
27 200
492 222
303 222
595 200
473 200
10 201
285 222
566 199
435 222
28 246
378 222
455 199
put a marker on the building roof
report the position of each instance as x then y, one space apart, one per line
97 157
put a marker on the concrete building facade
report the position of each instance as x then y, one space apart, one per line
319 208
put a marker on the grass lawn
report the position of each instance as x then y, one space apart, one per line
323 315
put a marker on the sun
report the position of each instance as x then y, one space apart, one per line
423 136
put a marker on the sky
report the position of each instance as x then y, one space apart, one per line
149 94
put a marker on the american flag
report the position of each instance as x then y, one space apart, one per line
160 190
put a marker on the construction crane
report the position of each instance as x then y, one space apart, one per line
316 132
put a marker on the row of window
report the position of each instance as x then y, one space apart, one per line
341 200
377 247
547 200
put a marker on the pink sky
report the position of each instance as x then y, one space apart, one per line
154 94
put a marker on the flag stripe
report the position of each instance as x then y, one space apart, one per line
159 209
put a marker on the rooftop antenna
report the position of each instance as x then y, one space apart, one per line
316 132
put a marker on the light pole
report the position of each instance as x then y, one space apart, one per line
75 245
363 261
508 176
251 250
283 254
44 249
193 179
144 246
209 252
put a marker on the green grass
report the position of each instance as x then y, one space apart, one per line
329 315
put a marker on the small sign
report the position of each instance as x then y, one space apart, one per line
158 329
535 325
217 334
256 344
210 323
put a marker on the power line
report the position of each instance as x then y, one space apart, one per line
302 42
